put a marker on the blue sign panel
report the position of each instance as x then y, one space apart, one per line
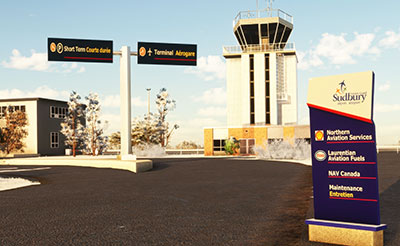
344 161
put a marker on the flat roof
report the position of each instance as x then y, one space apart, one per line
30 99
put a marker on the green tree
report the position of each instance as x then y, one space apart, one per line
231 146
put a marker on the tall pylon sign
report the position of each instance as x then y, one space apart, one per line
344 159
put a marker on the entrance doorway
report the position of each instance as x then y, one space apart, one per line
246 146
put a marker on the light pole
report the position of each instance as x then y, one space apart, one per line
148 101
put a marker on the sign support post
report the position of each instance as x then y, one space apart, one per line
125 94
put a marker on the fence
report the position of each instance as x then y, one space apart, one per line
167 151
184 151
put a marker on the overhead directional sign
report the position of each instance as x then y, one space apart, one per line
79 50
343 142
167 54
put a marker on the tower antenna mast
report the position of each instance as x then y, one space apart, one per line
269 4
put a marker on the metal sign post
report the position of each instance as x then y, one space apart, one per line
125 95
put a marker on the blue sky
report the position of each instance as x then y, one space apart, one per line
331 37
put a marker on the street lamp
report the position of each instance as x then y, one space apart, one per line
148 101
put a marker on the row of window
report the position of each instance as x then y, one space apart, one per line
58 112
267 91
267 94
252 113
246 145
55 112
13 108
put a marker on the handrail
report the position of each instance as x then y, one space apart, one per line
264 13
184 151
258 48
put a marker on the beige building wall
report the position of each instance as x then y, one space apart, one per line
208 142
220 133
245 90
273 81
259 88
234 91
261 135
302 131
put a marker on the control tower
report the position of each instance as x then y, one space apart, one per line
261 70
261 84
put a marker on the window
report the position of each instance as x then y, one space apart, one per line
274 140
267 92
219 144
13 108
58 112
54 140
252 114
246 145
3 111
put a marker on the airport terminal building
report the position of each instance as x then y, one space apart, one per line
44 118
261 84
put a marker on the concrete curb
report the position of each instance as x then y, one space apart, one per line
137 166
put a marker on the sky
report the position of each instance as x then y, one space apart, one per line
331 37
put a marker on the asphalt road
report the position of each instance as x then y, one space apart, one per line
179 202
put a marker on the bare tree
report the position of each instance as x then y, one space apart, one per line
95 142
164 105
188 145
72 127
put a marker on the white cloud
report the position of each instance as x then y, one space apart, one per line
114 101
384 87
111 101
209 68
42 91
212 111
138 102
392 40
213 96
338 50
308 59
385 108
38 62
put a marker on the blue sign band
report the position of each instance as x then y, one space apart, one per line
345 174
